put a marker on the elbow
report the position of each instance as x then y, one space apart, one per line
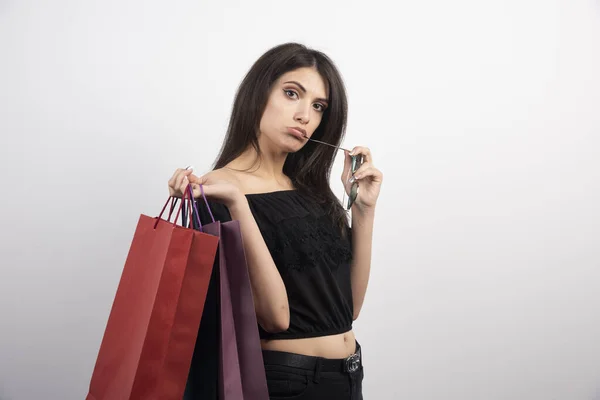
276 326
356 312
278 322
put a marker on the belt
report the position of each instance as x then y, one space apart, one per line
349 364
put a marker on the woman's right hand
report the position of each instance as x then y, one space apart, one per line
214 184
179 181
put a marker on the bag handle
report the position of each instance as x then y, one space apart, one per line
187 196
206 202
191 191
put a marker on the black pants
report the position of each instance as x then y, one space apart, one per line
300 377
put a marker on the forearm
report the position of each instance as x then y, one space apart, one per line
270 296
362 240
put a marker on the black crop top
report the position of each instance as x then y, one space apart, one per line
311 255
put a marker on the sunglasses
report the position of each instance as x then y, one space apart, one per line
355 163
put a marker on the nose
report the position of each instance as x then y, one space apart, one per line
303 114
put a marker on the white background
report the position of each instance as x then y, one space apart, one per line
484 117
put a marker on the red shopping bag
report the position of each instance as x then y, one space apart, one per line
153 324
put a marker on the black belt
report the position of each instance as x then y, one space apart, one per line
349 364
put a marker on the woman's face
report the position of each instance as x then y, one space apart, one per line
295 106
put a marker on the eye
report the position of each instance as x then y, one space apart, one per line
290 93
319 107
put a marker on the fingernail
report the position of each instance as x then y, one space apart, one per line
351 180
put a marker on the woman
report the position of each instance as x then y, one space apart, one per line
308 268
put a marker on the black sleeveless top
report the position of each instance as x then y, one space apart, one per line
312 257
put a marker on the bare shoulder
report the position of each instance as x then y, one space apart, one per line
220 173
225 175
245 181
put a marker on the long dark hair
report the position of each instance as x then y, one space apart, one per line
310 168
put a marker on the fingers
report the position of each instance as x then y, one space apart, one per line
174 177
179 181
200 180
368 171
195 190
181 177
194 179
365 151
184 184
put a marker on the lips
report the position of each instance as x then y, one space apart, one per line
298 132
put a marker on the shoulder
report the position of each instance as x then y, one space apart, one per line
245 181
224 174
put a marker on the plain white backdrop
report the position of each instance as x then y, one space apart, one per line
483 116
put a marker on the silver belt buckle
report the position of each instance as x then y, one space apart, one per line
353 362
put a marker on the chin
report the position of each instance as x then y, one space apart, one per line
293 145
292 149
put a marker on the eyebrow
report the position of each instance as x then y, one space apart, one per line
304 90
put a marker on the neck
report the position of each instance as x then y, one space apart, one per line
268 166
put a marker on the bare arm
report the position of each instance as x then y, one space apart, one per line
363 216
270 296
268 290
362 239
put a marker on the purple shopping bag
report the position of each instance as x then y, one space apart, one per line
241 368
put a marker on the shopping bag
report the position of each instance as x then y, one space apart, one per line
151 331
241 368
248 358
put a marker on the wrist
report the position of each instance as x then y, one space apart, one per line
363 211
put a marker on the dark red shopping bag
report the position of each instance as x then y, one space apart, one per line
149 339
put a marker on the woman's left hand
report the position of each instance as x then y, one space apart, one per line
369 178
